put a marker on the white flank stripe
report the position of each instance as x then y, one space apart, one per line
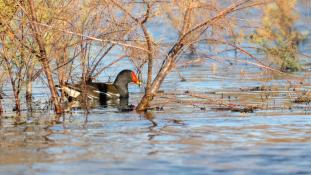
113 94
71 92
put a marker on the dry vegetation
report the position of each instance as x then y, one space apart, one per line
52 39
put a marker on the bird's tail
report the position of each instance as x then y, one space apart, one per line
69 91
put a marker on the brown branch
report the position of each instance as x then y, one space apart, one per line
150 49
43 57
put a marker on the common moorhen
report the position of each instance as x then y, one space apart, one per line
104 91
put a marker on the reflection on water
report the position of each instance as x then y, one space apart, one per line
121 104
161 142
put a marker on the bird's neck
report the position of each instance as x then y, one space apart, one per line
122 88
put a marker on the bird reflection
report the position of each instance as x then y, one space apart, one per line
122 104
149 116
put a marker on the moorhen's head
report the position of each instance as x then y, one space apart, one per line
125 77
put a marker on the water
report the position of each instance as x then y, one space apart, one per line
128 143
185 138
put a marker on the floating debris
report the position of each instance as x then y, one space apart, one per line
303 99
257 88
242 109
